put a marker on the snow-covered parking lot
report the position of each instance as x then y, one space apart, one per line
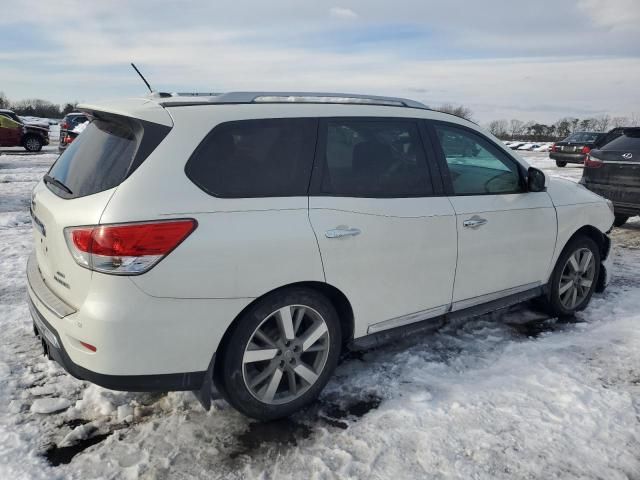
507 395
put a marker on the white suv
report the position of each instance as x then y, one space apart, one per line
241 242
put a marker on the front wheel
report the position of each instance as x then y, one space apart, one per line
574 277
561 164
33 144
620 220
280 354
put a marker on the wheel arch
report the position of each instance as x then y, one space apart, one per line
602 241
337 298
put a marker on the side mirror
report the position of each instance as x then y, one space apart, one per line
535 180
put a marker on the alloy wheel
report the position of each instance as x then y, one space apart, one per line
577 278
286 354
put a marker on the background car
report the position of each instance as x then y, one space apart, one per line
67 127
14 132
613 171
575 147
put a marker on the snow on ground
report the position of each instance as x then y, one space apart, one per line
507 395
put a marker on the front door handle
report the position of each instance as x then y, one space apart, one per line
474 222
342 231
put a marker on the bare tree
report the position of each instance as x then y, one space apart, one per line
458 111
499 128
620 122
516 127
601 123
4 101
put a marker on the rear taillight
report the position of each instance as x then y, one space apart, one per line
68 139
553 148
585 149
126 249
64 125
590 162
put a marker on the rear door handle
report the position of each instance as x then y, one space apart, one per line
341 231
474 222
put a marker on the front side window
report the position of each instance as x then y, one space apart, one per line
476 166
374 158
255 158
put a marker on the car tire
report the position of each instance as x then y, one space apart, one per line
32 143
561 164
565 279
620 220
280 354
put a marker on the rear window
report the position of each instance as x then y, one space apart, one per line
109 150
255 158
629 140
583 137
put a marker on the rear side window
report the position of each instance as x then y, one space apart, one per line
629 140
109 150
255 158
373 158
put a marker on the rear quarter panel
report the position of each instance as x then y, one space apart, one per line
242 248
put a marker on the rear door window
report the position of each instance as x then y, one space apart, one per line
255 158
109 150
379 158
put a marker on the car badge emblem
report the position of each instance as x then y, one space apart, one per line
628 156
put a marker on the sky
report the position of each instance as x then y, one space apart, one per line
533 60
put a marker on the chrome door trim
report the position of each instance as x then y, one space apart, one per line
407 319
472 302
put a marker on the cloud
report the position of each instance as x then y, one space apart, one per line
613 14
342 13
501 59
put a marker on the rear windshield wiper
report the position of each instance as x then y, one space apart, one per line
49 179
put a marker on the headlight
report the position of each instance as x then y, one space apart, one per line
610 205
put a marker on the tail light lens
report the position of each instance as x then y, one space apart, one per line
554 148
591 162
126 248
586 149
64 125
68 139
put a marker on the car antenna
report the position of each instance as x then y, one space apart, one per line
142 77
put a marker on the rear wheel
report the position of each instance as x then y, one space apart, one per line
32 143
620 220
281 354
574 277
561 164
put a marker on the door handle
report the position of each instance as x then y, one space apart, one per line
474 222
341 231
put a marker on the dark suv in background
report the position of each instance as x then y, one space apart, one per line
14 132
575 147
69 122
613 171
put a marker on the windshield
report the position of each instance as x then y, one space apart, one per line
582 137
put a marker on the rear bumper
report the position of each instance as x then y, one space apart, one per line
626 200
54 348
567 157
143 343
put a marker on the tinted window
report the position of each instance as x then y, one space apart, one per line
381 158
475 165
630 140
108 150
583 137
255 158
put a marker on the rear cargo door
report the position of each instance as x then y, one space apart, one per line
76 191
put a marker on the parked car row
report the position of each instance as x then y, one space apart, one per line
528 146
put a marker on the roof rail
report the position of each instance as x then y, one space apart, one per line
175 99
